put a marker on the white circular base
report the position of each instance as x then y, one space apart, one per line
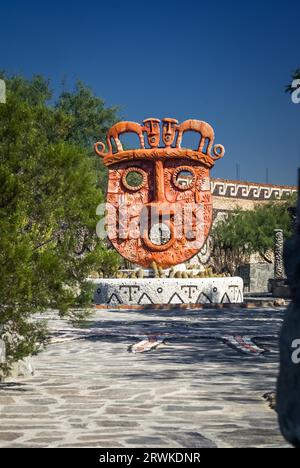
157 291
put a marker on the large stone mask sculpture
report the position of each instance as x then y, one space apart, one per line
159 204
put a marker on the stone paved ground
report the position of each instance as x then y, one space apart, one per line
89 391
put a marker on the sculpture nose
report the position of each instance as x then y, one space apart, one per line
157 215
151 128
161 209
159 205
159 190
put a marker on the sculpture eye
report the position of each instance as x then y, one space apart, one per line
184 178
134 178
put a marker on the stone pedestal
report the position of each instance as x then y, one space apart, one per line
166 291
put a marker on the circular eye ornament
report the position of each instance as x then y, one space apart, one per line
184 177
134 178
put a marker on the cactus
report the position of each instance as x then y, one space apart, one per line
155 270
172 273
140 273
161 272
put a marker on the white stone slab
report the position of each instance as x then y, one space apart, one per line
2 352
2 92
144 291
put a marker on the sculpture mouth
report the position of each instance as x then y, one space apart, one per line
159 236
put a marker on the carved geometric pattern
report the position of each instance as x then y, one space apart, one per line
173 291
145 299
225 299
175 295
239 297
114 297
250 191
203 299
278 254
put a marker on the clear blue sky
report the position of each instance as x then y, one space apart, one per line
225 62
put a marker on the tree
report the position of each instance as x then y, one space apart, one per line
89 118
88 122
48 199
243 233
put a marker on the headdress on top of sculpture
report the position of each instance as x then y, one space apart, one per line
170 127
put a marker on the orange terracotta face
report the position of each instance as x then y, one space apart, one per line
158 210
169 127
152 128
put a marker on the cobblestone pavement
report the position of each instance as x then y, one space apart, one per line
194 391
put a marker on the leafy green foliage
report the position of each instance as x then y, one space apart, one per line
49 193
243 233
88 121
